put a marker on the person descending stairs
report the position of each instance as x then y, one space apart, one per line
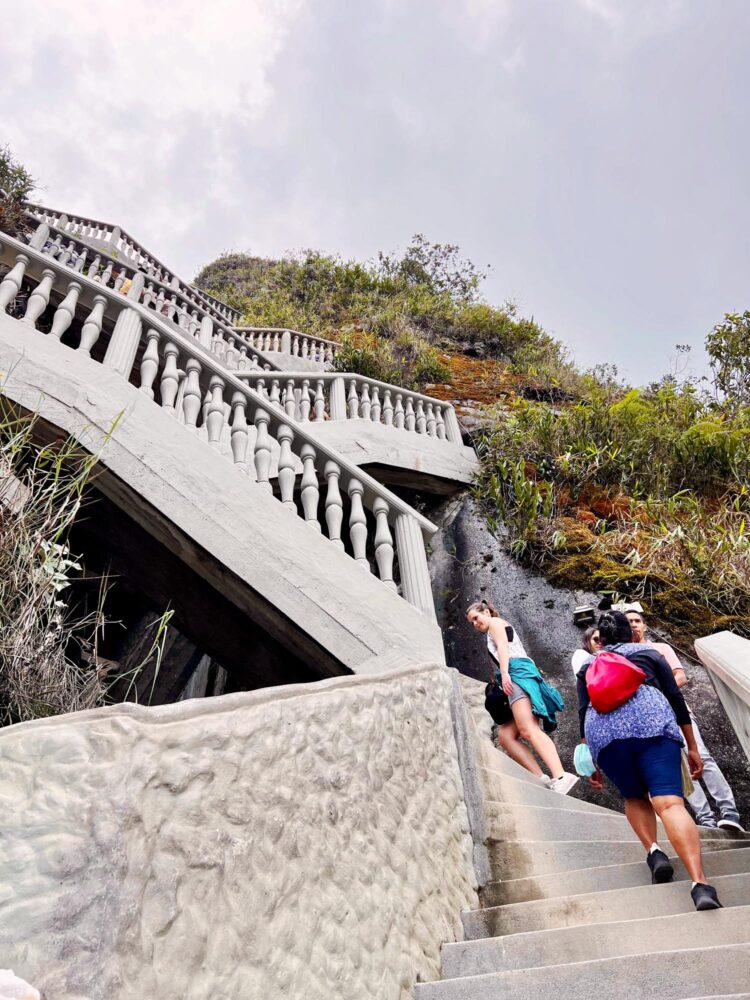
569 909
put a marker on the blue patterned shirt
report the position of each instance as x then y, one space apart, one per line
646 714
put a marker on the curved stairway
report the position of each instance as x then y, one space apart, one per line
569 910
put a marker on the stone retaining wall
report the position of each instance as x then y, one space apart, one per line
307 841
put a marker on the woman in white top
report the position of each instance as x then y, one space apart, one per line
591 645
507 651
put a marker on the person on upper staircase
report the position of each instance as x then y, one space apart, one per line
590 646
528 703
712 777
635 738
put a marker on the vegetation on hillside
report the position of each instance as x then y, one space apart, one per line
641 492
393 315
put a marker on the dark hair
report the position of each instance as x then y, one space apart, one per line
482 606
588 636
614 627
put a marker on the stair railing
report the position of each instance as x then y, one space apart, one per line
183 309
122 245
298 345
190 383
316 397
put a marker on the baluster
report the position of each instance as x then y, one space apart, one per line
119 280
231 355
94 267
239 430
172 307
329 354
353 400
409 419
275 395
387 408
215 412
305 347
67 252
39 298
295 346
169 377
276 341
260 387
285 344
431 422
383 543
421 419
159 304
289 400
364 409
243 364
183 319
217 342
12 281
304 401
287 476
310 494
56 246
193 324
82 257
439 424
376 407
148 294
319 404
398 415
191 398
358 523
262 450
93 326
106 274
65 311
334 504
150 362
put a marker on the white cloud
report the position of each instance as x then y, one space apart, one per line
125 111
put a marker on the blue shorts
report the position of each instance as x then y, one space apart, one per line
642 767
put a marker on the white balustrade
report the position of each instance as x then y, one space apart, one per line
238 414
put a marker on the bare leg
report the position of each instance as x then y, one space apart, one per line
682 832
529 729
519 752
641 816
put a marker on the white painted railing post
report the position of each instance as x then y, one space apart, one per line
338 399
412 561
452 428
40 237
286 342
123 344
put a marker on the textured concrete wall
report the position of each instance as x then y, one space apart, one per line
309 841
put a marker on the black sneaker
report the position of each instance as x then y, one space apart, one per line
704 897
661 867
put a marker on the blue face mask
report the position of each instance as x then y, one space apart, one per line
583 761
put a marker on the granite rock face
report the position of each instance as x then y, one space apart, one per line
299 841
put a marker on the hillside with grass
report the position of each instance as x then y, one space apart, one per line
636 492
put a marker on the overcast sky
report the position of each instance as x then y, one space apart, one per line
593 152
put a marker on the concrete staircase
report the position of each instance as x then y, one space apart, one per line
569 910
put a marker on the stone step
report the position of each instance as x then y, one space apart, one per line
599 907
670 975
588 943
519 822
495 760
514 859
512 791
575 882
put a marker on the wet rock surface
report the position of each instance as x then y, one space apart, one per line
468 563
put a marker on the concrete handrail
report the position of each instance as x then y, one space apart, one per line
313 396
726 657
181 308
285 341
121 241
191 384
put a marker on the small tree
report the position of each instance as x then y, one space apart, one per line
728 347
16 184
437 266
